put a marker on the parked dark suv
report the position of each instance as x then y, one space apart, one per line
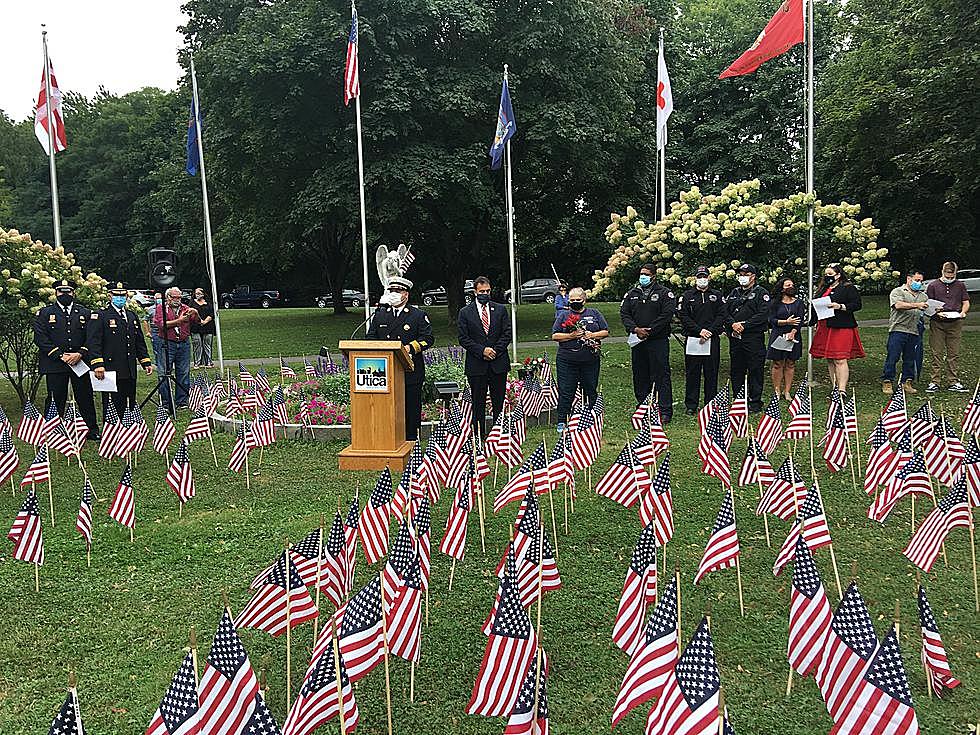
350 297
537 290
436 296
246 296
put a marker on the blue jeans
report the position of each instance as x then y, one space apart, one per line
570 376
901 345
161 368
179 358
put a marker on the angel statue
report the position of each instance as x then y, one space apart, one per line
390 262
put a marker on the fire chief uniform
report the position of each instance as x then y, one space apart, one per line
116 342
410 326
749 305
698 310
652 308
58 330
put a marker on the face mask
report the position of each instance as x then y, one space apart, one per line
483 298
743 280
916 285
576 305
701 283
791 291
65 299
158 301
645 280
119 301
829 279
947 280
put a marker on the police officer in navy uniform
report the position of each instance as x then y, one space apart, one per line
746 319
397 320
116 342
61 334
701 312
647 311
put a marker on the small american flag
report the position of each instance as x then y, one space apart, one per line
4 421
713 451
809 613
282 599
308 368
934 660
538 571
264 427
60 441
756 469
244 376
560 467
405 614
738 414
278 401
532 396
883 461
244 443
657 505
971 470
405 263
333 571
285 370
971 414
107 445
507 572
851 642
52 420
881 703
163 430
953 511
318 703
530 714
262 380
177 713
123 507
586 436
894 416
786 493
127 435
83 523
911 478
532 473
68 721
9 461
373 524
835 448
811 526
352 77
849 407
31 425
40 469
199 427
800 423
422 524
922 423
722 550
770 430
944 452
360 630
399 559
26 532
652 663
77 428
639 592
229 690
626 481
453 542
180 477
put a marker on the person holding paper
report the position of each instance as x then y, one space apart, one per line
946 327
786 315
746 319
647 311
701 312
836 339
116 343
61 336
907 304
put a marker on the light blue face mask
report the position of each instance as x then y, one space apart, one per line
119 301
916 285
645 280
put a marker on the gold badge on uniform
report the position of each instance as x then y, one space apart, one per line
112 323
52 319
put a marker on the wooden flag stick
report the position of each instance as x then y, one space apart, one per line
677 584
193 643
452 573
384 638
289 626
738 577
13 490
973 558
132 532
336 665
248 472
721 711
789 680
537 663
758 477
857 432
213 453
50 493
319 566
809 393
37 577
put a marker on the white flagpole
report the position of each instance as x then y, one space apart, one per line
809 168
209 244
360 175
52 170
663 148
514 295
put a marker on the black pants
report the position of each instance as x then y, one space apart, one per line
123 398
413 410
651 371
570 376
697 367
81 387
748 356
496 383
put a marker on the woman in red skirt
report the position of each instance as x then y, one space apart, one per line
837 339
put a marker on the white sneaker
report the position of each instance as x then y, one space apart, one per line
958 387
932 388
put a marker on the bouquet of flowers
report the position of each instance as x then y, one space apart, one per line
572 325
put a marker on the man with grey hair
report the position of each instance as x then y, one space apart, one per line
173 324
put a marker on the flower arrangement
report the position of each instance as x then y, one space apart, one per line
572 325
709 228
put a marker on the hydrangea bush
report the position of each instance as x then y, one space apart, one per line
723 230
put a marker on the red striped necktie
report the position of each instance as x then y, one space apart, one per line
485 317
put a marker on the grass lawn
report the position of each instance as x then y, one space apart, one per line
123 624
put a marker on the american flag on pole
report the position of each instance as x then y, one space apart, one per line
9 461
922 423
653 661
756 469
421 513
953 511
107 445
895 414
722 549
83 522
404 615
800 412
262 380
283 596
199 427
26 532
835 449
40 469
738 414
177 713
911 478
689 701
244 376
399 559
970 471
507 573
851 642
52 420
264 426
127 434
333 565
123 507
373 525
360 631
934 661
75 425
713 451
560 466
538 570
4 421
809 613
308 368
244 443
68 721
532 396
657 505
530 713
786 493
285 370
163 430
881 702
883 461
31 425
639 592
44 106
944 452
586 436
811 526
971 414
453 542
532 472
318 702
180 477
352 77
626 481
770 430
229 690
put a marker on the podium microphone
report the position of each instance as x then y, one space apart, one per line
358 327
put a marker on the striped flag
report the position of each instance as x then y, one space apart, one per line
373 524
756 469
68 721
657 505
883 461
359 630
83 522
50 108
229 690
971 471
786 493
586 436
40 469
262 380
953 511
944 452
538 570
800 412
163 430
282 591
895 416
123 507
809 613
835 449
26 532
922 423
400 558
52 420
811 526
9 461
31 425
453 542
244 443
59 440
107 445
177 713
532 472
244 376
713 450
180 477
626 481
333 565
199 427
722 549
911 478
404 615
308 368
738 414
285 370
770 430
352 76
318 703
639 592
934 661
530 713
971 414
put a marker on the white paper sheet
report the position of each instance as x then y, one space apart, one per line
632 340
783 344
107 384
932 306
951 314
79 368
696 347
822 307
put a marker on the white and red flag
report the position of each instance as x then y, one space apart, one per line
229 690
281 600
639 592
722 550
26 532
665 98
352 76
809 613
953 511
180 477
56 114
934 660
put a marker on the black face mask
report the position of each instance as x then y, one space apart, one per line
65 299
828 280
791 291
576 305
483 298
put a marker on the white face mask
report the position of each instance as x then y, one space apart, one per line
743 280
701 283
393 299
947 280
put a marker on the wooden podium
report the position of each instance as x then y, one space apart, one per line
377 405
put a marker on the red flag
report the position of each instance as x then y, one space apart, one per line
41 115
782 32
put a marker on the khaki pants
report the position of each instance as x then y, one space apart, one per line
944 342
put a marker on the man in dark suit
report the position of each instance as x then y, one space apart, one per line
116 342
484 332
396 320
60 333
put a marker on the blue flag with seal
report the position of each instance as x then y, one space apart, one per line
193 155
506 127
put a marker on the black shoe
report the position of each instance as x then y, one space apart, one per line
690 411
94 436
756 409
